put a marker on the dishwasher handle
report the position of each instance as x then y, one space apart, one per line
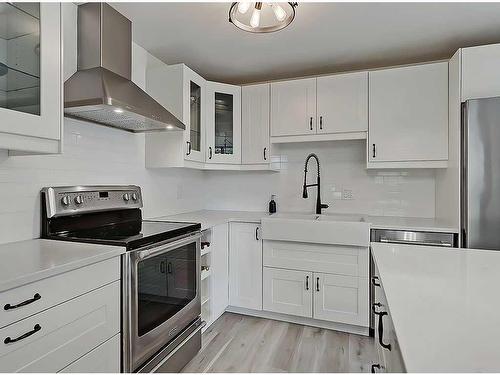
423 243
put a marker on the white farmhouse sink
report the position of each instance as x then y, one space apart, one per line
351 230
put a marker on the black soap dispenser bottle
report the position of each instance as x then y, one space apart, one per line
272 205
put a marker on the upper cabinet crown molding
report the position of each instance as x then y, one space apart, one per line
480 72
31 107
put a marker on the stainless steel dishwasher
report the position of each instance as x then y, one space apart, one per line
405 237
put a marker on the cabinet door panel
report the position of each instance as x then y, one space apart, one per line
223 123
343 103
342 299
30 93
245 267
287 291
480 73
293 107
194 115
255 124
408 113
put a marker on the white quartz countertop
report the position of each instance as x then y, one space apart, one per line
444 305
210 218
29 261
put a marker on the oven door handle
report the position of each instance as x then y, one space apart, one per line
147 253
181 344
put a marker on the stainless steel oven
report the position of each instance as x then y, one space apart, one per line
161 292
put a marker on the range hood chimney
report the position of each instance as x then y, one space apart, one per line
101 90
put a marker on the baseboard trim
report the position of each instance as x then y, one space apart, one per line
358 330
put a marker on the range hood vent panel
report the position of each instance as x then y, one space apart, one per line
102 92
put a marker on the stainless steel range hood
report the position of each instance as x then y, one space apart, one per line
101 91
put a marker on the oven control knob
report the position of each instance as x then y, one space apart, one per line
65 200
126 197
78 199
134 196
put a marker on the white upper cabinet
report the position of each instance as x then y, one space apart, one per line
223 133
182 92
293 107
30 77
480 72
342 103
408 116
255 124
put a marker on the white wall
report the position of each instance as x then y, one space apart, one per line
343 166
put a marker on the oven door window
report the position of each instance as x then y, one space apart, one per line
166 283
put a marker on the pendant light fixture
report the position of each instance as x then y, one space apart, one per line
261 17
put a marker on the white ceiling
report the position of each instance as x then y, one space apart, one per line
325 37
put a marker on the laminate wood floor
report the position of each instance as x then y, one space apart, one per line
240 343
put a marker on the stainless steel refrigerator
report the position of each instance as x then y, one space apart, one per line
480 174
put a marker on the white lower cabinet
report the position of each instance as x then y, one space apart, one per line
62 334
342 299
103 359
287 291
245 266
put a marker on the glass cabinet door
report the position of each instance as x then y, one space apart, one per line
194 112
225 124
195 116
30 69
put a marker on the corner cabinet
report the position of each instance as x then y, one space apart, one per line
480 73
255 148
182 91
30 77
223 133
408 117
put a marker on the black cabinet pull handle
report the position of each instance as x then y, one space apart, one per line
35 329
374 306
381 315
189 148
375 366
374 281
307 282
36 297
374 152
162 267
317 284
210 153
205 244
169 267
311 123
321 122
265 149
257 233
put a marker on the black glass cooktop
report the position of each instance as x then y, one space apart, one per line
132 235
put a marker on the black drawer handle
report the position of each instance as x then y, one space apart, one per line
189 148
36 328
310 123
374 281
317 284
205 244
307 282
374 150
36 297
381 331
375 366
265 156
210 153
257 233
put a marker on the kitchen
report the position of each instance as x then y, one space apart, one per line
390 138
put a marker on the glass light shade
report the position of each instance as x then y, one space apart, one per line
262 17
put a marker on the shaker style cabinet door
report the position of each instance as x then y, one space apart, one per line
288 291
408 114
255 124
223 123
245 266
194 111
293 107
342 103
30 70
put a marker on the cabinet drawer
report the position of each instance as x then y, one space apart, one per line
57 289
341 260
66 332
103 359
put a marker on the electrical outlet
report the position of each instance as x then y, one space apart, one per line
347 194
